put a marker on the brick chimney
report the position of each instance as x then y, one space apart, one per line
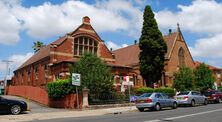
170 31
86 20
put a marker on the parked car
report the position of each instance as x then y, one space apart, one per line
155 101
133 98
191 98
214 96
12 106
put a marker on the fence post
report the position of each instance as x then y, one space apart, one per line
85 103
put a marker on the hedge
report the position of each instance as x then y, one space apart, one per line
142 90
165 90
59 88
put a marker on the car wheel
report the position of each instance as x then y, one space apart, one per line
141 109
192 103
219 100
174 105
15 109
205 102
157 107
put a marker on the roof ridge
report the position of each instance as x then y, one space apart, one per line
138 43
125 47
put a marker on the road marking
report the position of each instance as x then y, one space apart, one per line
153 120
178 117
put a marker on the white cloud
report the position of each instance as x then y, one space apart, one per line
16 61
9 25
208 47
47 20
114 46
19 59
124 8
202 16
124 45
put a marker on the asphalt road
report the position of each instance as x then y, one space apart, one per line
209 113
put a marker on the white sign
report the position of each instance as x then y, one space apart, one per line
126 83
75 79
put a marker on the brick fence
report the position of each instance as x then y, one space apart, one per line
41 96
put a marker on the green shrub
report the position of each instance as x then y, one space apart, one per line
165 90
220 88
59 88
142 90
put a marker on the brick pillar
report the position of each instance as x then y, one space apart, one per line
85 103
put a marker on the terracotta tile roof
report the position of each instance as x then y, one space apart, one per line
42 53
197 63
170 40
127 55
117 65
59 41
130 55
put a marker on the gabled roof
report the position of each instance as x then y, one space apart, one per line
45 51
127 55
42 53
130 55
170 41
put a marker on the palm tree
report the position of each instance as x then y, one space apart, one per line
37 46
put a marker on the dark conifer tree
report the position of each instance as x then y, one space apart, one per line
153 49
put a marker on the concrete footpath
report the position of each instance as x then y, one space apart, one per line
65 114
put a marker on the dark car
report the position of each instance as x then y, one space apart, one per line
12 106
214 96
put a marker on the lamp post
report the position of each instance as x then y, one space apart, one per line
7 66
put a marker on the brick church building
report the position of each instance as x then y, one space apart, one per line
52 61
177 55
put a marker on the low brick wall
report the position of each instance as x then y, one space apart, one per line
33 93
69 101
41 96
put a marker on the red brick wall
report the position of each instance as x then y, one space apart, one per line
40 95
104 52
34 93
66 46
173 64
67 102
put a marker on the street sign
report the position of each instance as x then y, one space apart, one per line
76 79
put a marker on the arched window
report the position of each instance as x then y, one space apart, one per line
84 44
181 57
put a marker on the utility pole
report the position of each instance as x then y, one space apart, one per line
7 66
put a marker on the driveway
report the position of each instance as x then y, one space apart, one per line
36 107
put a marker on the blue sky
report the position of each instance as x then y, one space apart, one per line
118 22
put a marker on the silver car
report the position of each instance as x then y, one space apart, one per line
155 101
191 98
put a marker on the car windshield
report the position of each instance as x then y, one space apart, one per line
146 95
183 93
208 93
